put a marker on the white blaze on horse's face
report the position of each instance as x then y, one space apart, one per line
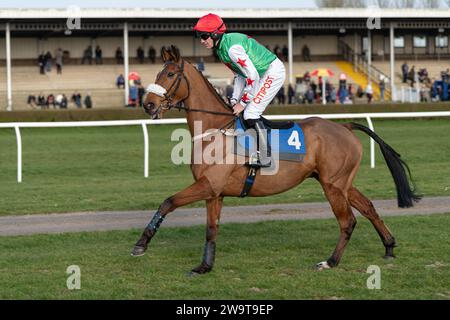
156 89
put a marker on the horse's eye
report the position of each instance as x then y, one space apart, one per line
170 74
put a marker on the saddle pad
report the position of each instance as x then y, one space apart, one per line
286 144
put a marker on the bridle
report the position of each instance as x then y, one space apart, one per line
172 90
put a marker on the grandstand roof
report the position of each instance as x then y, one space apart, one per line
284 13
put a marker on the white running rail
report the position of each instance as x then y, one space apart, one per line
368 116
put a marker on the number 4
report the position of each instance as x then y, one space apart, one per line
294 140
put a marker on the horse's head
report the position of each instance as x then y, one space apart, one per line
171 86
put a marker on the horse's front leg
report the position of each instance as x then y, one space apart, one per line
214 207
200 190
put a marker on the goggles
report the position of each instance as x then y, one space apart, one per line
203 35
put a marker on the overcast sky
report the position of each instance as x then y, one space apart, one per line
157 4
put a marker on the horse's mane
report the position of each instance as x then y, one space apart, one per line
211 88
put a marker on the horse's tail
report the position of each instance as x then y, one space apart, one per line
406 194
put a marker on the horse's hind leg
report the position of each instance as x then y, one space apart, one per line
366 208
347 221
214 207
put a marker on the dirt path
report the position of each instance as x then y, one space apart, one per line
122 220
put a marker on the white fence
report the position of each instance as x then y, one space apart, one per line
368 116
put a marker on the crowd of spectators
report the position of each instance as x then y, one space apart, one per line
430 89
45 60
60 101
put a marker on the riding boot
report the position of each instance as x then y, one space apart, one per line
263 150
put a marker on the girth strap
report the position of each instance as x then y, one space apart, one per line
249 181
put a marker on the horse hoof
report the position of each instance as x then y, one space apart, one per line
201 269
138 251
322 265
389 257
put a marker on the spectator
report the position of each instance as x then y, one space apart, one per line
87 55
285 52
281 96
141 94
369 93
307 77
59 61
48 61
63 104
51 101
342 94
276 50
98 55
310 95
405 70
58 100
333 94
342 80
31 101
42 102
412 75
350 92
314 88
76 99
445 75
359 92
120 82
119 56
423 75
133 96
88 101
291 94
306 53
152 54
300 91
382 86
140 54
41 63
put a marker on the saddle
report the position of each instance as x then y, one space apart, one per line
270 124
285 140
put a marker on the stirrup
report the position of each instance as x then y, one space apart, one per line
255 161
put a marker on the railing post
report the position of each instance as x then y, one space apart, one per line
19 153
372 144
146 149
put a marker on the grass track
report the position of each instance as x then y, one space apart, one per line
268 260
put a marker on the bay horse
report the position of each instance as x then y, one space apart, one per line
333 156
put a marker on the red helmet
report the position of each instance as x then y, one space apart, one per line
210 23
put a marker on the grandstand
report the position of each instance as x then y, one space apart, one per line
99 80
338 39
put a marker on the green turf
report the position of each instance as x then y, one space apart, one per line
267 260
87 169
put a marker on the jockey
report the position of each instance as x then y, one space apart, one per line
259 74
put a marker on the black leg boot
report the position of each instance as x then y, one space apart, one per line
263 149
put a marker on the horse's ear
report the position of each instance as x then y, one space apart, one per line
165 54
175 53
